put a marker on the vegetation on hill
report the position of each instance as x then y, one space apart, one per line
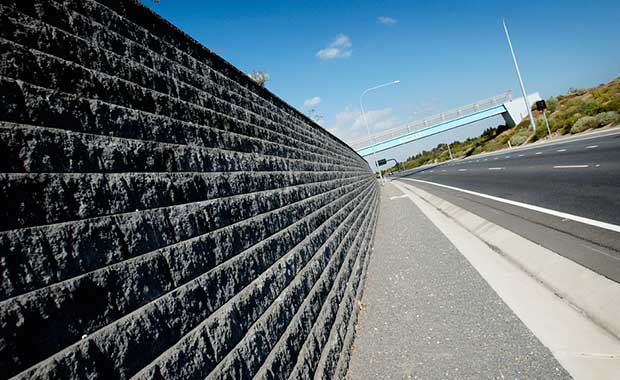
577 111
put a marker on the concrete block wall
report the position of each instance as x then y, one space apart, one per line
161 215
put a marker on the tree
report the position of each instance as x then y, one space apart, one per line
260 77
314 115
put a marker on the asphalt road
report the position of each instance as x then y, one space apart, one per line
578 176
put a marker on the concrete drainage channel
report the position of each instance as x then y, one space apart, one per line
567 306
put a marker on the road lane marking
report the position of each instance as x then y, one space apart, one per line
398 197
462 170
561 150
590 136
596 250
521 155
559 214
577 342
570 166
538 152
507 157
496 168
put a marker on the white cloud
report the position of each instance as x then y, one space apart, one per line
350 126
333 131
312 102
387 20
386 124
344 116
342 40
340 47
372 116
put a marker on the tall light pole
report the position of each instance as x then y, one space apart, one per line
372 141
514 58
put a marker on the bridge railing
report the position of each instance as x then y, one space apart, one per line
432 120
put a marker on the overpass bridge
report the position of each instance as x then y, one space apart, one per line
512 110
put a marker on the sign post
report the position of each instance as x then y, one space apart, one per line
541 105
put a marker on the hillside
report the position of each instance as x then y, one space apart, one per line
578 111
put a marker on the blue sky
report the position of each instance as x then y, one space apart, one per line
446 53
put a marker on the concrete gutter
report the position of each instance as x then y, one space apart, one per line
585 289
594 346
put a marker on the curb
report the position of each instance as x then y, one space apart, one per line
592 294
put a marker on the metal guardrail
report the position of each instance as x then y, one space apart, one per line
432 120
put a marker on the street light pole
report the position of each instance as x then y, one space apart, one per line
370 138
514 58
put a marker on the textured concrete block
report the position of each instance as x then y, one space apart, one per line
163 216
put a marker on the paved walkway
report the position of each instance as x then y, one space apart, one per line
428 314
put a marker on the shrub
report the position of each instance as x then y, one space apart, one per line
611 105
577 91
605 118
563 119
552 104
525 123
541 129
501 128
260 77
517 140
590 108
488 133
586 122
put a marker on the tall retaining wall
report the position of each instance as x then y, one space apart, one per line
161 215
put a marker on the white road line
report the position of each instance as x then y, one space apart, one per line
496 168
462 170
559 214
570 166
507 157
596 250
561 150
531 147
521 155
581 346
591 146
443 170
538 152
398 197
